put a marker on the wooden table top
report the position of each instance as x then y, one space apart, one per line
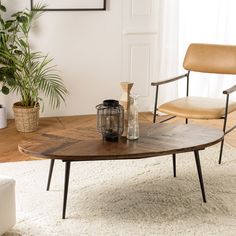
86 144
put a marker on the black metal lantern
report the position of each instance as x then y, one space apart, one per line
110 120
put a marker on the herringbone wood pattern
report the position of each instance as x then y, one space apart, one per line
9 137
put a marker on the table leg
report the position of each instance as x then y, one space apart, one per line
50 173
174 164
67 176
198 164
221 151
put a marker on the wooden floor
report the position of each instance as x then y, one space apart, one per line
9 137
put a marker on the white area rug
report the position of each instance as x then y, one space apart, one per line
138 197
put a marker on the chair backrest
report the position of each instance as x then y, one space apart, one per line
211 58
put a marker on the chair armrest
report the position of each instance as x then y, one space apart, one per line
230 90
169 80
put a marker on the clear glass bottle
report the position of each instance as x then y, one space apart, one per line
133 126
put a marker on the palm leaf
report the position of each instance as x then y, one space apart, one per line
34 74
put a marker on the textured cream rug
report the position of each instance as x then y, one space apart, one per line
138 197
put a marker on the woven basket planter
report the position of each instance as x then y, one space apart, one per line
26 118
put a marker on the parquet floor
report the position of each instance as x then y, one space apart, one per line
9 137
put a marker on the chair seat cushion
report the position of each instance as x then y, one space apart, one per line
197 107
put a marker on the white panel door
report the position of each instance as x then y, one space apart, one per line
139 47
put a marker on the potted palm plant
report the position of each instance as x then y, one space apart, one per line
26 72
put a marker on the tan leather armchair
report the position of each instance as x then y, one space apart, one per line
205 58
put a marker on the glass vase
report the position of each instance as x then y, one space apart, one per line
133 125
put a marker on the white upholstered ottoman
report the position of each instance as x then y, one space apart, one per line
7 204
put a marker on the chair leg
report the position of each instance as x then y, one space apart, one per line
199 170
224 127
174 164
186 121
50 173
221 151
155 106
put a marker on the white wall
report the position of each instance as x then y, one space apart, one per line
87 47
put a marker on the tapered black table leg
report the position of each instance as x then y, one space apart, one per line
199 170
174 164
67 176
221 151
50 173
